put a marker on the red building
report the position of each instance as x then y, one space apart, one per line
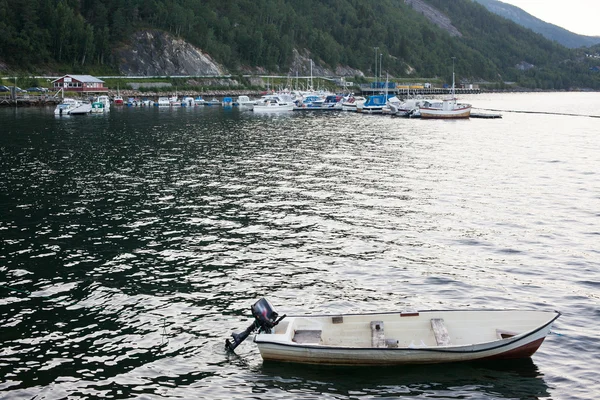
80 83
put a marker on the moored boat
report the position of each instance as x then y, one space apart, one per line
81 109
423 337
448 108
105 104
245 102
351 103
98 107
445 109
163 102
374 104
213 102
188 101
274 103
66 106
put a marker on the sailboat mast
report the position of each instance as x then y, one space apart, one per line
453 95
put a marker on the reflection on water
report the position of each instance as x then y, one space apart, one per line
133 243
514 379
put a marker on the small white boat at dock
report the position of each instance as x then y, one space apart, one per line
245 102
448 108
70 106
423 337
274 103
163 102
101 104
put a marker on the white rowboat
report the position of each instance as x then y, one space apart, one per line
423 337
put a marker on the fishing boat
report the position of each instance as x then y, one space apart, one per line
448 108
394 338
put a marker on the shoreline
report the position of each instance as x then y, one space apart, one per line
43 100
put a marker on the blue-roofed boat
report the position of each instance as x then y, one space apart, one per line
374 104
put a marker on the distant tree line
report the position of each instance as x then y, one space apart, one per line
79 36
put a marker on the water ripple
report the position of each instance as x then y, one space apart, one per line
134 244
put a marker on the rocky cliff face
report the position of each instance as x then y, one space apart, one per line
301 65
434 15
156 53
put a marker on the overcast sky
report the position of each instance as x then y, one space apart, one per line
578 16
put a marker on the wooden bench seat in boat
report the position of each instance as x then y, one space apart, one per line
441 333
377 334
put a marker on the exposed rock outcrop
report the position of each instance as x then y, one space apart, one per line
157 53
153 52
434 15
301 65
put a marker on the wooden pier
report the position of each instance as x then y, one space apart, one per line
403 92
28 101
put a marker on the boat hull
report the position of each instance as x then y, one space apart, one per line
269 109
431 113
413 329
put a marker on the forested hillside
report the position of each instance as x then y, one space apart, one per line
81 35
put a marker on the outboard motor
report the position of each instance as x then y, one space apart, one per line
265 318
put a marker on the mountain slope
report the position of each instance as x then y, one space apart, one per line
549 31
407 38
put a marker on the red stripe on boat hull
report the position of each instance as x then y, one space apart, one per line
524 351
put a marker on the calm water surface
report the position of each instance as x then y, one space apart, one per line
132 244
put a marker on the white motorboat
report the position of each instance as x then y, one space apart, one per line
66 106
188 101
274 103
374 104
422 337
351 102
213 102
410 106
199 101
82 109
163 102
245 102
99 107
101 104
391 105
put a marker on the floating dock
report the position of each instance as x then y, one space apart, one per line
485 115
